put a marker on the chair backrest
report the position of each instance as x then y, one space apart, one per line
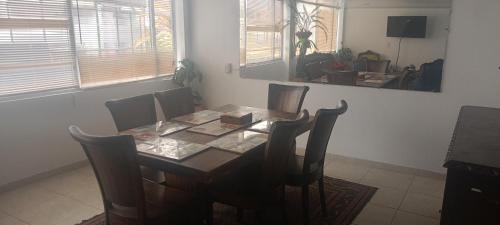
406 78
279 147
343 77
114 160
319 137
176 102
285 98
369 55
133 112
379 66
431 76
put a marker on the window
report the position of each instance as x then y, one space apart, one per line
121 41
261 33
328 12
58 44
36 53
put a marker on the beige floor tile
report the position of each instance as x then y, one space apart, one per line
9 220
375 215
345 171
58 211
429 186
385 178
17 200
388 197
405 218
421 204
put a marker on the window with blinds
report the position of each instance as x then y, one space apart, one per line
261 34
325 40
123 40
36 53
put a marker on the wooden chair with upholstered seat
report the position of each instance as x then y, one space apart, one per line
286 98
135 112
304 171
261 187
127 197
176 102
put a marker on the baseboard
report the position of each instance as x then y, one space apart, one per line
386 166
40 176
379 165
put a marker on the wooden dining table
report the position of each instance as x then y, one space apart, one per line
212 162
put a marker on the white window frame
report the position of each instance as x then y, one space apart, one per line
179 30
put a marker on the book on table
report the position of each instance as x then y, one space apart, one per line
170 148
200 117
239 142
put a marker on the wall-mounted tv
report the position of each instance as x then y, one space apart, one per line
407 26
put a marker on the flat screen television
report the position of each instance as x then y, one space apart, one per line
407 26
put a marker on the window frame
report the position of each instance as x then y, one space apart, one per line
179 51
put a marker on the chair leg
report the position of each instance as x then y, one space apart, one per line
322 196
283 205
239 213
259 215
305 204
284 214
210 213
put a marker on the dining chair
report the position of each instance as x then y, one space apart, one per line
127 197
132 112
378 66
135 112
262 186
176 102
286 98
306 170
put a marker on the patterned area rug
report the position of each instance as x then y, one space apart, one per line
344 202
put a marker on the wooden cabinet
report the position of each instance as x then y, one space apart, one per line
472 192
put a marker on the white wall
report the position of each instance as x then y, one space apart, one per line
33 133
365 29
392 126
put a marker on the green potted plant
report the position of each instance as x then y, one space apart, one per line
188 75
305 21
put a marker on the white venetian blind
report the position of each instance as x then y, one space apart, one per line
123 40
261 24
35 46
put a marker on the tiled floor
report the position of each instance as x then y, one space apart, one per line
403 198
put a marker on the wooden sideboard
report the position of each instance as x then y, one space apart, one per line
472 192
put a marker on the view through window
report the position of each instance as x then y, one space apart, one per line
325 39
261 23
123 40
57 44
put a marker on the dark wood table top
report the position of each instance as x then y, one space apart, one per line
476 139
210 162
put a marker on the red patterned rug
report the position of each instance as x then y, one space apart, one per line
344 202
